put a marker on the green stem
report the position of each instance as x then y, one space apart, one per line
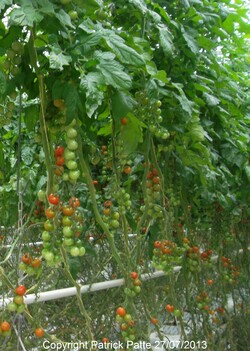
78 294
42 120
145 213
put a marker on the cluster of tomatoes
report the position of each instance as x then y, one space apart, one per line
127 324
134 285
5 328
18 305
124 201
66 164
203 304
230 272
203 301
110 216
151 113
62 227
30 265
153 189
172 310
167 255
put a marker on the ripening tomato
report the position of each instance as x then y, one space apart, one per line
53 199
50 213
5 326
39 332
36 262
121 311
137 282
18 299
74 202
59 151
95 182
68 211
154 320
48 226
20 290
59 171
127 170
60 161
107 203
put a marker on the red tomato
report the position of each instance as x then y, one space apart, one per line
121 311
169 308
59 151
5 326
53 199
134 275
20 290
26 258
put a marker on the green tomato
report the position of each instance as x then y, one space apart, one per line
74 175
72 144
82 251
114 224
20 308
68 232
48 255
65 2
30 270
41 195
48 226
127 318
116 215
22 266
137 289
68 241
12 307
65 177
177 313
69 155
73 15
67 221
74 251
46 236
71 164
71 133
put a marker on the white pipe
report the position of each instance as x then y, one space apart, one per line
66 292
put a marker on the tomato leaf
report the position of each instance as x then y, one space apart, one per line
124 53
91 84
113 72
